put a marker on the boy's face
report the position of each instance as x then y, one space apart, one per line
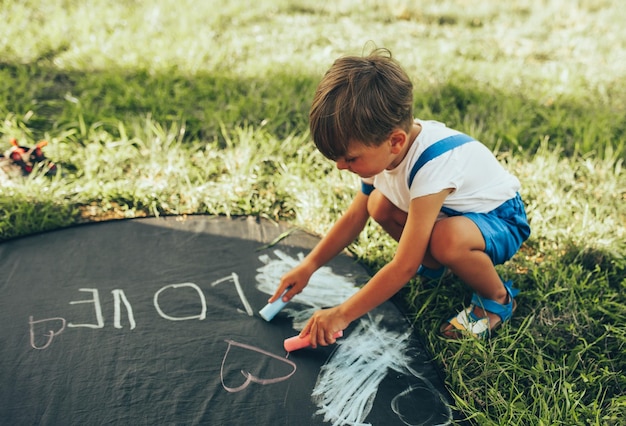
368 160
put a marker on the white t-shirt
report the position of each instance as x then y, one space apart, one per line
479 181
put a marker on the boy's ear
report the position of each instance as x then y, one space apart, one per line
397 140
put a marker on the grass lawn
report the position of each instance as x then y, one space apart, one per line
185 107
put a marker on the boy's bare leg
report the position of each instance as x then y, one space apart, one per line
457 243
388 216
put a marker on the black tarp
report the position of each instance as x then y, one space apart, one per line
155 321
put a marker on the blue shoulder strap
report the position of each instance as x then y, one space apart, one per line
436 149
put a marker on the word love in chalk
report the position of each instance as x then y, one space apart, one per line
53 327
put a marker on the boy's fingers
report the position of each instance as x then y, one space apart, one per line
330 339
279 292
322 337
306 330
313 338
290 294
316 334
274 297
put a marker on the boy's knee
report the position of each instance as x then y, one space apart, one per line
450 240
384 211
441 247
377 208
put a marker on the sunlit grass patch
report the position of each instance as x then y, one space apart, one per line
36 206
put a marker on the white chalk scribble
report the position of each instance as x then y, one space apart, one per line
347 384
349 380
325 288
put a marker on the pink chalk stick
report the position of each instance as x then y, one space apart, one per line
296 342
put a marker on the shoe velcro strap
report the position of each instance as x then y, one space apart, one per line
503 311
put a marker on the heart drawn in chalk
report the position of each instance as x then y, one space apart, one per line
49 333
422 395
248 376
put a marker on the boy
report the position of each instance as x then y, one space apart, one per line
442 195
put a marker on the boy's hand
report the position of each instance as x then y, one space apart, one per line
296 280
323 324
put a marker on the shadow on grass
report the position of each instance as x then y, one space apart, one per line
280 102
203 102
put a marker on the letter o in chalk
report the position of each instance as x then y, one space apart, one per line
192 285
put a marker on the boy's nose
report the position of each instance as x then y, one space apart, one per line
342 164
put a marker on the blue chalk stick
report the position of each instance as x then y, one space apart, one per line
271 309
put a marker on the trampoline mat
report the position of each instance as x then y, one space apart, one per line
155 321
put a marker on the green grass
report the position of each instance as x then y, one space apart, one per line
168 107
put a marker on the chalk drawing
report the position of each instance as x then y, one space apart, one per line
428 396
200 316
348 382
250 378
97 307
325 288
51 334
120 299
119 295
235 279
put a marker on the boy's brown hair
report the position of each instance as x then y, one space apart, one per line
360 99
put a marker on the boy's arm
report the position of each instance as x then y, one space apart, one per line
341 234
388 280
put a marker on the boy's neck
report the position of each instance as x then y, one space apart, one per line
416 129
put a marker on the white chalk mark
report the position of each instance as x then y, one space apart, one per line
97 307
347 384
411 394
119 295
249 376
235 279
325 288
200 316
